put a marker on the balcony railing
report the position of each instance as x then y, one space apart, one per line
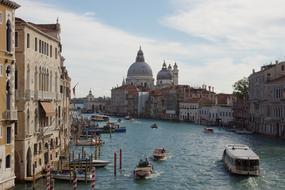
44 95
29 94
10 115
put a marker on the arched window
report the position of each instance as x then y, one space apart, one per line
8 161
50 82
28 77
47 81
36 120
36 79
8 35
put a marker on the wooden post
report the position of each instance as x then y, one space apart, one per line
48 177
91 162
74 180
93 178
69 167
79 161
82 152
120 158
34 177
86 173
115 163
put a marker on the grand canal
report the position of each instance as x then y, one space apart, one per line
194 160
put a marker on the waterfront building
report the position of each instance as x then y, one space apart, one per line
189 110
241 113
8 111
38 97
64 98
266 100
124 100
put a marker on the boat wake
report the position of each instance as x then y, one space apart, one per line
154 175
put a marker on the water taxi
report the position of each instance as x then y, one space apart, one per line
208 130
89 142
240 159
159 154
143 169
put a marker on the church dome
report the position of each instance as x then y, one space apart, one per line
164 73
140 67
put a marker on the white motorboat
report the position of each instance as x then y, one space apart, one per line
143 169
68 175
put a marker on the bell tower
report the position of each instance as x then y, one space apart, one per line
175 74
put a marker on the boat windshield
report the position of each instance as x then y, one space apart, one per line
247 165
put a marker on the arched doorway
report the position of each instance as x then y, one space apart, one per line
29 163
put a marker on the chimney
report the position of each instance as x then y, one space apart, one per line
212 89
276 62
209 87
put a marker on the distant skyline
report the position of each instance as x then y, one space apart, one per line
213 42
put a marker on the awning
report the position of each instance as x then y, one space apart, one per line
48 108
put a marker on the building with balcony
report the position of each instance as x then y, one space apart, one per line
267 100
38 97
8 111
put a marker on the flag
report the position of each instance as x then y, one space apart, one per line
73 89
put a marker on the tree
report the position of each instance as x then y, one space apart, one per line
241 88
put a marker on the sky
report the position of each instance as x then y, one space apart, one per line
213 42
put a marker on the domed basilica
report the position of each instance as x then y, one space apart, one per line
140 74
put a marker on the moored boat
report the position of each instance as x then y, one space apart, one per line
68 175
98 117
159 154
128 117
143 169
240 159
89 142
94 163
244 132
208 130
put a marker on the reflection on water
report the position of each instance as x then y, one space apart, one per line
193 160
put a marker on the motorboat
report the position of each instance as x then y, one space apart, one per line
208 130
154 126
143 169
128 117
159 154
119 120
88 162
244 132
240 159
68 175
99 118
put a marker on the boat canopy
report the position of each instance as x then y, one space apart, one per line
240 151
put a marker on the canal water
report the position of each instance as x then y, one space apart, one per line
194 159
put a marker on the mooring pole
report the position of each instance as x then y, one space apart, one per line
120 158
115 163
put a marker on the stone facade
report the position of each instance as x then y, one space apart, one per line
41 101
8 112
266 100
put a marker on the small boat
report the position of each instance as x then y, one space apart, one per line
208 130
95 163
68 175
89 142
128 117
119 120
154 126
240 159
159 154
143 169
99 118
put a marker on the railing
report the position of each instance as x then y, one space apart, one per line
44 95
10 115
29 94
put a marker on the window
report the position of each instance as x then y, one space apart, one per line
16 79
55 53
35 149
40 162
16 128
8 161
8 135
36 44
50 50
28 40
40 46
8 36
16 39
47 49
0 130
282 67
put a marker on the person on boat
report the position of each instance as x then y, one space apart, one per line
163 150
